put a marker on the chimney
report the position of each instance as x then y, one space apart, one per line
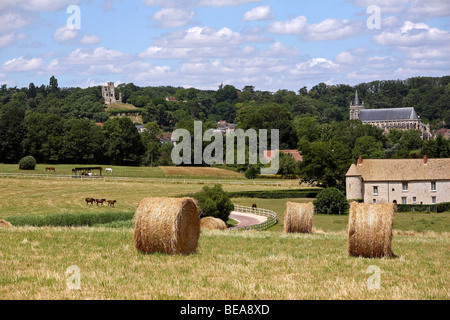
425 159
360 159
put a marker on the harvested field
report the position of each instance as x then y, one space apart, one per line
201 172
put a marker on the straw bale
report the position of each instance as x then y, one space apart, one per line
211 223
298 217
370 230
167 225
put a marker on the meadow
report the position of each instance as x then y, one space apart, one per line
227 265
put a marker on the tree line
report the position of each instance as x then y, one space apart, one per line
58 125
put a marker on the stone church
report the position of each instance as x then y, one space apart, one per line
387 119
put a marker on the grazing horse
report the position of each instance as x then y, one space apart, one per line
100 201
110 170
254 206
90 200
50 169
111 202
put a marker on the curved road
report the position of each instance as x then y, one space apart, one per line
246 219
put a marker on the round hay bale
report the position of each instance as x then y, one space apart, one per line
211 223
370 230
298 217
5 224
167 225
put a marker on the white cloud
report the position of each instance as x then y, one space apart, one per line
201 37
328 29
258 13
173 18
9 39
90 39
413 34
197 3
63 34
386 6
295 26
12 21
21 64
38 5
100 55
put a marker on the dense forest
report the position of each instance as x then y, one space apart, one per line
59 125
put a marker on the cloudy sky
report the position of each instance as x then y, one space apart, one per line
280 44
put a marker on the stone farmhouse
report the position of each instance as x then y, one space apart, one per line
402 181
390 118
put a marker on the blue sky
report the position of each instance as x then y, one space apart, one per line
202 43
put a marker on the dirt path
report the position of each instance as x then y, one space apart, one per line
246 219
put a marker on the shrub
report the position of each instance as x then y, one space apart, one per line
214 202
27 163
251 172
331 201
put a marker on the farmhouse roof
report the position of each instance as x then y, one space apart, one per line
388 114
401 169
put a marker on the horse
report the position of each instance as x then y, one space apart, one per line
50 169
90 200
109 170
254 206
111 202
100 201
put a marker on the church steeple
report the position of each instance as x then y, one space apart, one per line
355 107
356 103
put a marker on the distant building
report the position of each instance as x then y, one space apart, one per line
139 127
403 181
269 154
172 99
388 119
225 127
165 137
108 93
444 132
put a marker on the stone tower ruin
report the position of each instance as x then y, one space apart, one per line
109 95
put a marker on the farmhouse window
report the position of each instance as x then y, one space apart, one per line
433 186
403 200
405 186
375 191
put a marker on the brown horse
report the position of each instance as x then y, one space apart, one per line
50 169
111 202
90 200
100 201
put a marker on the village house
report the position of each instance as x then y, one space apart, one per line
269 154
402 181
225 127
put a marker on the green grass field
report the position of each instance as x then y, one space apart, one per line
228 264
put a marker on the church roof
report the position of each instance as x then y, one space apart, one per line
388 114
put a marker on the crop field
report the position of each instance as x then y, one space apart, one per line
243 265
201 172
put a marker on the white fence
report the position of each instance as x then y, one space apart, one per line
271 217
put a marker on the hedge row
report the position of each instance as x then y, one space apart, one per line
276 194
439 207
70 219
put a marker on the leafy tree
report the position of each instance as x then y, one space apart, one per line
53 83
325 163
27 163
331 201
123 144
368 147
12 131
214 202
287 166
